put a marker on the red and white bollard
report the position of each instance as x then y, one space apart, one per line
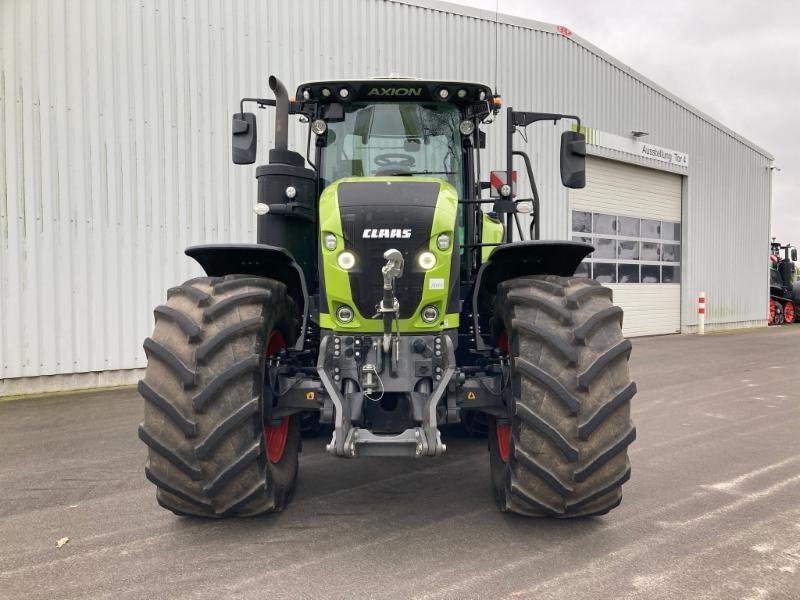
701 313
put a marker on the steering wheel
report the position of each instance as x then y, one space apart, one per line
394 159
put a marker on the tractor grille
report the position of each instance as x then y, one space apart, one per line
378 206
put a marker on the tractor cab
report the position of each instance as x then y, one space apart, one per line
783 265
395 127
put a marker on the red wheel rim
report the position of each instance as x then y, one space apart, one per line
502 341
503 432
276 342
275 437
772 310
503 441
788 312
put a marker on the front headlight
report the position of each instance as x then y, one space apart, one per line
443 241
426 261
346 260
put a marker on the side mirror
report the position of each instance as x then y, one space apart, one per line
794 254
573 159
245 138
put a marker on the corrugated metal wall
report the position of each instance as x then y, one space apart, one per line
114 119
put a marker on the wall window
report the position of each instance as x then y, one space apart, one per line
604 247
628 273
581 221
651 274
628 249
651 251
670 231
605 272
651 229
604 224
628 226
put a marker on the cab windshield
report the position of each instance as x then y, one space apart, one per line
402 139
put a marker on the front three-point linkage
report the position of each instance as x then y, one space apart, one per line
389 309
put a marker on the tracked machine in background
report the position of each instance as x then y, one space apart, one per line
783 294
381 296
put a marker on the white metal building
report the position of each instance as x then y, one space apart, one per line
115 155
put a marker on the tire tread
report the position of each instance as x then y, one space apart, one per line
186 425
193 471
570 423
204 391
187 376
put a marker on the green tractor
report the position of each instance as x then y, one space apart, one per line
385 296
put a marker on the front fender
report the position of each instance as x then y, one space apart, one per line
537 257
523 259
261 260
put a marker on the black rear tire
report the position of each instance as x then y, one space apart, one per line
206 404
570 399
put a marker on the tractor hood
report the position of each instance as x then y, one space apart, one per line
371 215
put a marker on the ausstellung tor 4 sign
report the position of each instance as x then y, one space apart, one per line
629 145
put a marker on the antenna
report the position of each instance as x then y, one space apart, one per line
496 25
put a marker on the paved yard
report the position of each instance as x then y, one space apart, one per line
712 510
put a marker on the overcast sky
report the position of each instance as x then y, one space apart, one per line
738 61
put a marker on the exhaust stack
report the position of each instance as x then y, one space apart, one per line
281 113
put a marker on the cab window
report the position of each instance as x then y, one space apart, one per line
394 139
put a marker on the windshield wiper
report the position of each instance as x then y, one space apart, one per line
428 173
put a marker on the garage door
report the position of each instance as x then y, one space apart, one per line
632 216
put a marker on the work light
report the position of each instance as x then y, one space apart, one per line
330 241
466 127
319 127
344 314
430 314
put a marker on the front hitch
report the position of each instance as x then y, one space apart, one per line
389 308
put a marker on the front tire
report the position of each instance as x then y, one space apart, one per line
212 449
562 452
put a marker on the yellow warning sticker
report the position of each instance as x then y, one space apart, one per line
470 395
310 395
